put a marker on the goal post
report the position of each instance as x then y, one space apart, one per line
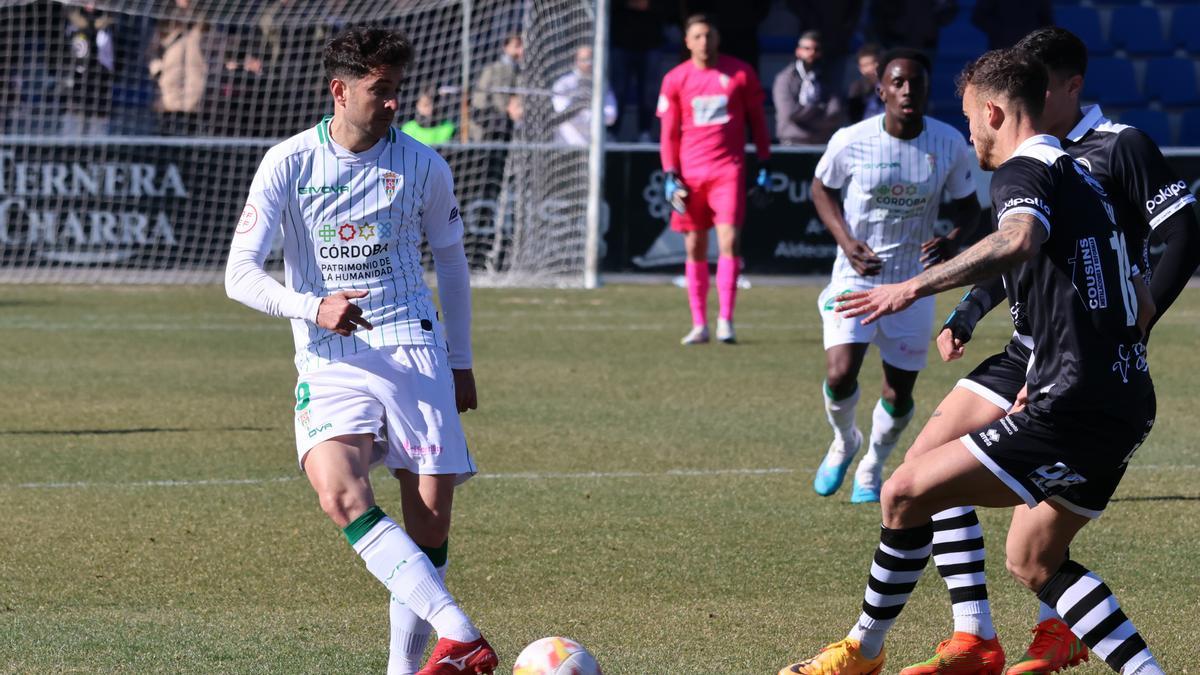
130 130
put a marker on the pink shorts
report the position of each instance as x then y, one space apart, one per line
716 199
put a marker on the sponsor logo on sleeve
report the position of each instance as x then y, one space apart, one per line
1165 194
248 219
1025 201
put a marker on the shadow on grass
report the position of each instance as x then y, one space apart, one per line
117 432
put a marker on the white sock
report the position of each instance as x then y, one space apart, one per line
840 415
885 433
870 639
975 618
409 635
1149 667
405 570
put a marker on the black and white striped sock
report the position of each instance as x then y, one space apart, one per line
959 555
1092 612
899 561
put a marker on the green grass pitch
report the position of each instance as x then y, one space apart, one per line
652 501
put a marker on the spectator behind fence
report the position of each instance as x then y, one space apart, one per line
425 127
638 31
572 101
863 101
88 83
808 108
1005 23
911 23
179 64
497 82
837 22
238 107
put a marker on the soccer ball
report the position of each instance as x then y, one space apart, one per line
555 656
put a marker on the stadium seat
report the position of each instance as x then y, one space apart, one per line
961 39
1189 131
1110 81
941 83
1172 82
1153 122
1185 21
1084 22
1138 30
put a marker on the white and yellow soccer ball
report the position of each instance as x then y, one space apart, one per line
555 656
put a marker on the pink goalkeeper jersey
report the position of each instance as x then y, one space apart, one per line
704 114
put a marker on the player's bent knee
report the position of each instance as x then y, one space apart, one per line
898 497
343 505
1028 568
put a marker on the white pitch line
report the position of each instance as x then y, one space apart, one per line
672 473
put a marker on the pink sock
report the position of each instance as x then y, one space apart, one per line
727 276
697 288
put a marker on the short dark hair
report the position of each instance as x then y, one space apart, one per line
1061 50
814 35
869 49
903 53
1014 73
357 51
706 19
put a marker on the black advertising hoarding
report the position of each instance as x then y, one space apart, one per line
784 237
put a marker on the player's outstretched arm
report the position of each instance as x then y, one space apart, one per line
1018 239
861 257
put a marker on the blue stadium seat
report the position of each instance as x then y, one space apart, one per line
1153 122
1084 22
941 85
1184 33
1171 82
961 39
1138 30
1189 131
1110 81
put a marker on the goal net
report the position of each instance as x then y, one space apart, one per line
130 129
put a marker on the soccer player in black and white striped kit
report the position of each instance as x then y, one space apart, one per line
1091 401
1152 205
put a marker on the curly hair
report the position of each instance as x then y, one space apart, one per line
357 51
1013 73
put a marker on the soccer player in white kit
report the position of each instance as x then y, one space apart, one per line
892 170
380 379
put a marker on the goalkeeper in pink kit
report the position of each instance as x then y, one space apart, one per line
705 105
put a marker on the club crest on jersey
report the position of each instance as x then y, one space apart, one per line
391 182
724 80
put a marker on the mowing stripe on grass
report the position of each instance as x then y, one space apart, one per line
670 473
493 476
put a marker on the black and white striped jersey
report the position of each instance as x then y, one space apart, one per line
1075 299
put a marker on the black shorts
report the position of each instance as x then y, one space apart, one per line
1076 458
1000 377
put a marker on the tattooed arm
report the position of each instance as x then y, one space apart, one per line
1018 239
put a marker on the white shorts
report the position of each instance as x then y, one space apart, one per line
903 338
403 395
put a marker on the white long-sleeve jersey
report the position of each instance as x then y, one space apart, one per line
351 221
